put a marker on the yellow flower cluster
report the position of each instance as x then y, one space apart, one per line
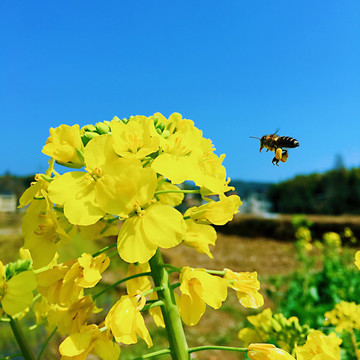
125 179
345 316
318 346
131 172
266 326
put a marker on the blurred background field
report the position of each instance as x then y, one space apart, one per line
276 260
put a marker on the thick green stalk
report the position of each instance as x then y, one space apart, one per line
20 338
173 324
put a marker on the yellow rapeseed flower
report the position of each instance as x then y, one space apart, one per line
73 318
126 322
246 286
357 259
199 236
42 232
345 316
52 286
76 190
186 155
137 138
267 352
150 225
319 346
86 271
216 212
89 340
64 144
199 288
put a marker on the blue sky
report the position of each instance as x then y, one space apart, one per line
237 68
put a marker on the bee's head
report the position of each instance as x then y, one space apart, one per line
262 140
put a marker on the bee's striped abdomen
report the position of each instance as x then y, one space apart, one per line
287 142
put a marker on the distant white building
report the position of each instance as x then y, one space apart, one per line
255 204
8 202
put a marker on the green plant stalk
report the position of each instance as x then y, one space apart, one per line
170 312
46 343
216 347
353 340
95 296
153 354
21 340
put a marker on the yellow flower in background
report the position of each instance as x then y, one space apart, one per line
73 318
319 346
89 340
199 288
137 138
303 235
42 232
345 316
267 352
52 286
332 239
357 259
246 286
16 294
64 144
262 320
216 212
126 322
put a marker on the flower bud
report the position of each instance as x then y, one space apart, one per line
102 128
90 128
88 136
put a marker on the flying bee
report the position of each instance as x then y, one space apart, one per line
276 143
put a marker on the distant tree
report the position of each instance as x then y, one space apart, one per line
339 162
334 192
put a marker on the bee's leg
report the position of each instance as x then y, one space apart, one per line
278 153
284 156
275 161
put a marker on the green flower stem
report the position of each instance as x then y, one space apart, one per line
149 306
174 286
154 354
170 312
47 178
104 249
46 343
70 165
158 288
353 340
172 268
118 283
20 339
177 192
216 272
215 347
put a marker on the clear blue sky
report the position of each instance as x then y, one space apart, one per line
237 68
